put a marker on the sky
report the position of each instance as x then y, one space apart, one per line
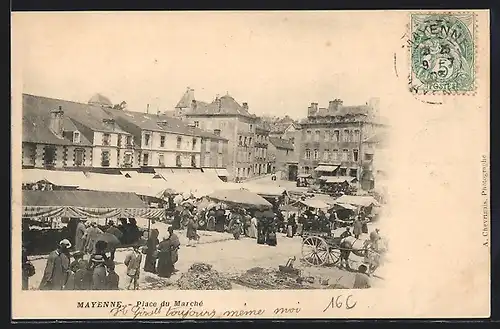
277 62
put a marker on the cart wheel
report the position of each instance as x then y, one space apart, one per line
315 251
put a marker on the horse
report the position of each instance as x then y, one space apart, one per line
372 250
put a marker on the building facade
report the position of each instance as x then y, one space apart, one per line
232 121
57 134
161 141
214 151
282 156
262 165
334 137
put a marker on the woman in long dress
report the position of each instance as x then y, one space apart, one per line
152 244
90 238
191 233
252 230
168 254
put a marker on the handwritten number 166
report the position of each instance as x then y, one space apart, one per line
340 302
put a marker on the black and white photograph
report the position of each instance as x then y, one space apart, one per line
269 152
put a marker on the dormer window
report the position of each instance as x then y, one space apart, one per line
106 139
76 137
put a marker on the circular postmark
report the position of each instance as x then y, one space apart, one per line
442 53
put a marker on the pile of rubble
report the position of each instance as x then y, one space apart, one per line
155 283
201 276
261 278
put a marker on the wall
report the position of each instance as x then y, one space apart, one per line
32 155
59 156
169 150
326 144
87 156
281 157
228 127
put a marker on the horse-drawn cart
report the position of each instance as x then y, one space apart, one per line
320 248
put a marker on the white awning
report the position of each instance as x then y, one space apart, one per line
56 177
339 179
222 172
304 175
357 200
326 168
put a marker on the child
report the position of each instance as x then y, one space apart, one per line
113 279
133 263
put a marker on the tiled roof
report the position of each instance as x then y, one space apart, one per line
225 105
281 143
152 122
36 122
87 115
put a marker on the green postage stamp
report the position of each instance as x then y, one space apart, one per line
442 53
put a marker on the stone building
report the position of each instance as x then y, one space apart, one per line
282 155
262 164
334 139
64 134
226 117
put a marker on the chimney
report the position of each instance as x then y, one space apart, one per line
218 102
110 123
194 105
245 106
333 106
217 132
56 121
312 110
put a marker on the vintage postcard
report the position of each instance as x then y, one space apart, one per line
235 165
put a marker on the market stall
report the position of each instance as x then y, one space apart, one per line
241 197
42 179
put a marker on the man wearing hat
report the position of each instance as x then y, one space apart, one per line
57 269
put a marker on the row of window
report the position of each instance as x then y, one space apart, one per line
257 169
261 139
260 152
161 160
220 146
243 156
147 141
49 156
244 141
333 156
336 135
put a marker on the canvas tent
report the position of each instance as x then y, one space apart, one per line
86 204
266 190
55 177
357 200
241 197
137 183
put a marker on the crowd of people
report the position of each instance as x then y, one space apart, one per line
87 262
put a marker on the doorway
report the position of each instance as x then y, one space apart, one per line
292 172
